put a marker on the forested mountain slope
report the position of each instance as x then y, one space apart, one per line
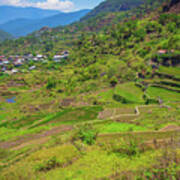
113 6
66 35
4 35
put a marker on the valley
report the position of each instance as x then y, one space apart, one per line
103 101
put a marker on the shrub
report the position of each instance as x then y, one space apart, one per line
126 146
87 135
113 81
3 153
149 100
140 34
48 165
121 99
51 84
153 26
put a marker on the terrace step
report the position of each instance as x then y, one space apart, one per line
166 87
164 75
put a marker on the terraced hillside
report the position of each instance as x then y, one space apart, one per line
111 110
47 135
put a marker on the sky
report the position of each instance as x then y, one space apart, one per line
61 5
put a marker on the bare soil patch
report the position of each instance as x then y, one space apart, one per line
170 128
31 137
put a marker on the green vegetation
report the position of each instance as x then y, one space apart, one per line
4 36
111 110
121 127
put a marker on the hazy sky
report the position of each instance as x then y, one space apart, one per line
62 5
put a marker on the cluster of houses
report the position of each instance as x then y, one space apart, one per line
10 64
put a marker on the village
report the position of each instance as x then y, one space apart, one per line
12 64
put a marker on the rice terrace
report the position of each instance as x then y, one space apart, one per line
94 99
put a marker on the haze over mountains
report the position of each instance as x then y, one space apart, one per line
4 35
9 13
22 21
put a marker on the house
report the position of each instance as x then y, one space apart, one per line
35 59
63 55
5 61
14 71
18 62
57 58
39 56
32 68
162 51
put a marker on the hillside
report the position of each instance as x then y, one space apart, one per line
4 35
9 13
65 36
22 27
113 6
109 110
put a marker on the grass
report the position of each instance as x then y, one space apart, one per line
164 94
62 157
39 159
130 92
155 118
139 136
9 133
95 163
174 71
120 127
71 116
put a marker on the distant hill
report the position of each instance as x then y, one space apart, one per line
4 35
113 6
22 27
9 13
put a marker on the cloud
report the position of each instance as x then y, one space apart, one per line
62 5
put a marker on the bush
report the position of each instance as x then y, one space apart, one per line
121 99
48 165
149 100
51 84
128 147
153 26
3 153
87 135
113 81
140 34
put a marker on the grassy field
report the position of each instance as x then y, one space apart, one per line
174 71
109 133
164 94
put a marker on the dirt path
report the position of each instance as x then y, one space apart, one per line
136 113
170 128
25 140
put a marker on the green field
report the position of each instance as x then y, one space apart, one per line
110 110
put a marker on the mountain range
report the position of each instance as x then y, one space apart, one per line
9 13
19 21
22 26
